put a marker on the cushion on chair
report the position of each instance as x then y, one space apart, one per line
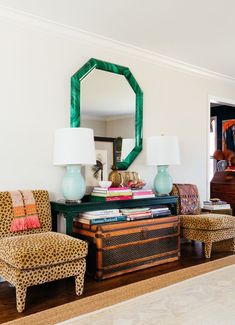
42 249
207 221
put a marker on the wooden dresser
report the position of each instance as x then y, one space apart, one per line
223 187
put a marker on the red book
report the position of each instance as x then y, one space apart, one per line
132 215
138 212
94 198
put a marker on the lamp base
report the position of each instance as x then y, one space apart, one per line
163 182
72 201
73 184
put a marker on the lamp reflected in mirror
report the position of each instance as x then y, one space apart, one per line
127 146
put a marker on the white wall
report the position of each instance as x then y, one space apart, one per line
99 126
35 69
121 127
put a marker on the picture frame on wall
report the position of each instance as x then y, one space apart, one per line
95 173
109 144
105 156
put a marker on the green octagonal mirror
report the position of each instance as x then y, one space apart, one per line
107 98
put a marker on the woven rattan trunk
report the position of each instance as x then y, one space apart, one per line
121 247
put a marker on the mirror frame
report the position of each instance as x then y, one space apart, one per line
75 118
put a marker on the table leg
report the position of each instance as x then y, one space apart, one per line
54 220
69 224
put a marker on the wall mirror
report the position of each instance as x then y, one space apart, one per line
107 98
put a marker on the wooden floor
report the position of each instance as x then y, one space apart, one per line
60 292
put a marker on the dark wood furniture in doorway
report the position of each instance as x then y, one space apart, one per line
223 187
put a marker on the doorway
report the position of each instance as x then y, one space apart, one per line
221 136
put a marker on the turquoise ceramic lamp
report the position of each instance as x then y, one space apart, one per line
163 151
73 148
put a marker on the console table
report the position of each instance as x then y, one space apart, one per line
71 210
116 248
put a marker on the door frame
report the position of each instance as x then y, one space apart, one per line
222 101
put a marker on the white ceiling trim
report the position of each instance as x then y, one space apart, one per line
153 57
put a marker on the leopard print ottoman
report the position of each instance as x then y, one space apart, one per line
211 229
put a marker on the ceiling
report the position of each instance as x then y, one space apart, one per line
198 32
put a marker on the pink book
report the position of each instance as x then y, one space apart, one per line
147 192
118 198
112 188
118 188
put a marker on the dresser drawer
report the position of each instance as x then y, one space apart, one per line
223 189
228 197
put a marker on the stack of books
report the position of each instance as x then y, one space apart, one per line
111 194
142 194
101 216
161 211
215 204
137 214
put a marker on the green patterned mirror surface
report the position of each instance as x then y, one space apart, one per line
107 98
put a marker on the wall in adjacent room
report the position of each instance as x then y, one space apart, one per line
121 127
222 113
99 126
36 63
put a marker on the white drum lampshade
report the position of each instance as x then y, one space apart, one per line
163 151
74 147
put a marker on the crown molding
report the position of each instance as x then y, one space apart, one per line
140 53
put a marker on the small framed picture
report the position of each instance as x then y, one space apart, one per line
97 172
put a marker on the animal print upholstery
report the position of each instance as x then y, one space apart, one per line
37 256
211 229
227 245
216 239
46 248
22 279
207 221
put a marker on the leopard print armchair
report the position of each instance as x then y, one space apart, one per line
210 228
37 256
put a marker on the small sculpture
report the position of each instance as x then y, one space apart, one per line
115 177
225 155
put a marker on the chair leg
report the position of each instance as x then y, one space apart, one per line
79 284
207 249
193 242
20 298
